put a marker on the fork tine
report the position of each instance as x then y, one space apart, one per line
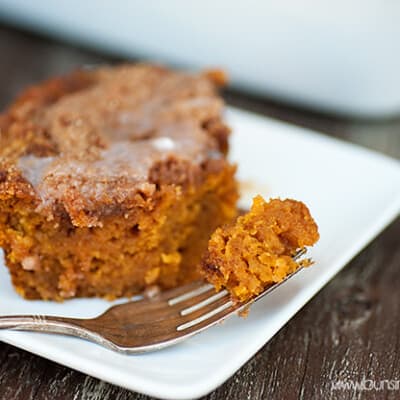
199 302
204 311
181 290
191 290
209 312
205 319
192 295
203 298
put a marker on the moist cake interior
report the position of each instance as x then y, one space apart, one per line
112 180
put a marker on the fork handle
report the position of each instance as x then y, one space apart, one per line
76 327
48 324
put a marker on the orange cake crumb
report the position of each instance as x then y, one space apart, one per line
256 251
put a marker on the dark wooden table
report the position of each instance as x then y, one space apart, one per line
349 331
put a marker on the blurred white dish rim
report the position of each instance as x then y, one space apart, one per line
333 178
341 57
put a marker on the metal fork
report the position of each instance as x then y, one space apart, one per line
148 324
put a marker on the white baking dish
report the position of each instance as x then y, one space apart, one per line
341 56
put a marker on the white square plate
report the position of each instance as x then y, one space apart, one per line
352 193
